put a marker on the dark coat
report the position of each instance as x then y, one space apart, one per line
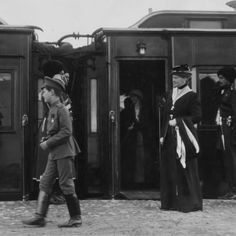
187 107
228 108
180 187
60 141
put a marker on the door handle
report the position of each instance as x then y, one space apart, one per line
24 120
112 116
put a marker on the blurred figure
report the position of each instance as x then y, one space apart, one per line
127 118
226 120
127 137
139 164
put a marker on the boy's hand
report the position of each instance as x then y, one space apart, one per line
43 145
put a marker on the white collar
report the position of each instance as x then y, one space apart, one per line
178 93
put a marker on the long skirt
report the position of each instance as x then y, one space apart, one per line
180 187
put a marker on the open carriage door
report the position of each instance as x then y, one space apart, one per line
141 86
14 113
135 169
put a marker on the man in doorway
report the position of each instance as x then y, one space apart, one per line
226 120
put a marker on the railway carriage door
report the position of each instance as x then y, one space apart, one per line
13 120
141 84
15 109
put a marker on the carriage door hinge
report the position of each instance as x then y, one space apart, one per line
24 120
112 116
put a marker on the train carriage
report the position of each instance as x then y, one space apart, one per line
16 103
103 74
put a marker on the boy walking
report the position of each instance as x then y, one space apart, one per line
62 149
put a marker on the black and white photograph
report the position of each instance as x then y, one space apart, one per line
117 118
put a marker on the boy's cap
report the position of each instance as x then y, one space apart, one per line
58 81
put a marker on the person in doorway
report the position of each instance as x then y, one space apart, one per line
227 128
62 150
142 140
180 184
127 137
127 118
137 98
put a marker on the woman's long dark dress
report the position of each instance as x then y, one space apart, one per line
180 187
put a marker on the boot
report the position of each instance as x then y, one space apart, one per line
73 205
41 212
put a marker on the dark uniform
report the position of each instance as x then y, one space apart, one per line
62 149
227 136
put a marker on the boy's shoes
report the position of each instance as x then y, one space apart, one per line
37 221
72 222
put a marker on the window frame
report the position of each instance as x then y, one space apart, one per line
205 69
12 127
91 104
205 19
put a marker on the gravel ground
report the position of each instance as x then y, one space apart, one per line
123 217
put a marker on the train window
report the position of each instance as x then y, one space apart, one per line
193 84
40 103
93 105
6 101
205 24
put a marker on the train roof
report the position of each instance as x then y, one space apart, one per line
129 31
159 16
22 28
179 22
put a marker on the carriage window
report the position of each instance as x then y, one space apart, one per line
205 24
93 105
6 101
209 89
40 103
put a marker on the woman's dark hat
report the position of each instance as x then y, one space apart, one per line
54 75
182 71
229 73
136 93
53 67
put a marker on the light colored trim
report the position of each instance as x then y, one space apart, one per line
180 12
161 30
173 51
194 79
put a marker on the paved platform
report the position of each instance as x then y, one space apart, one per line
124 217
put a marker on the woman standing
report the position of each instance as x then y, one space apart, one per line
180 185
